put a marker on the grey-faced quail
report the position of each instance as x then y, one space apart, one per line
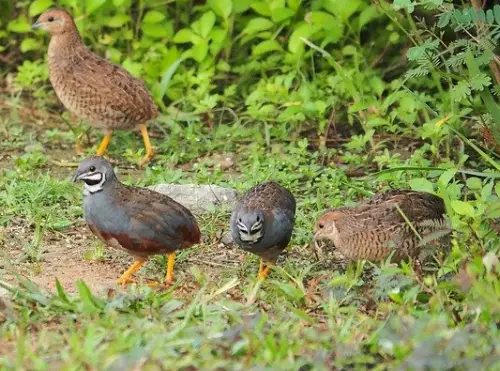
399 221
93 88
262 222
137 220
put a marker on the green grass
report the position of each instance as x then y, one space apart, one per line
336 102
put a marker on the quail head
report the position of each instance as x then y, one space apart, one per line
137 220
262 222
397 221
91 87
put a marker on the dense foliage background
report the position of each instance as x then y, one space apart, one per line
334 98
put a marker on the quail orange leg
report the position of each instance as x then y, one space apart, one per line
104 143
125 277
263 270
170 268
147 145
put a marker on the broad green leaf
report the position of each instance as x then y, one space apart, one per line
257 24
218 37
446 177
421 184
404 4
266 46
19 25
463 208
183 36
153 16
240 6
154 30
38 6
262 8
474 183
281 14
204 25
367 15
295 43
293 4
134 68
29 44
200 51
222 8
444 20
118 20
341 8
92 5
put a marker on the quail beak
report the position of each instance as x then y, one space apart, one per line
36 25
76 177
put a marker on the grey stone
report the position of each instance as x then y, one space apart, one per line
227 239
198 198
4 292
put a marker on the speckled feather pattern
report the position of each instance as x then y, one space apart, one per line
375 228
93 88
277 205
140 221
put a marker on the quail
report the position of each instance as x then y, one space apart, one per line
262 222
137 220
399 221
93 88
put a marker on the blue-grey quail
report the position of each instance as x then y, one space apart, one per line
397 220
138 220
91 87
262 222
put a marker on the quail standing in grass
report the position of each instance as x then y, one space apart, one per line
262 222
93 88
138 220
399 221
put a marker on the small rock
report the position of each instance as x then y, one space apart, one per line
198 198
34 147
4 293
227 239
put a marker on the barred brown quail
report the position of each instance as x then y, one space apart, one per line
137 220
262 222
397 220
93 88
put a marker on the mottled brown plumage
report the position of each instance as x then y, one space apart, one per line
376 228
91 87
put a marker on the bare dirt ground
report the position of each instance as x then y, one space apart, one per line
67 257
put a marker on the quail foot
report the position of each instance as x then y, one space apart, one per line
397 221
262 222
91 87
137 220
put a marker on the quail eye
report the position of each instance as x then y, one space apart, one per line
258 218
239 220
51 19
92 168
321 225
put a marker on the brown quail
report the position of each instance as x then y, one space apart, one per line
398 221
93 88
262 222
137 220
